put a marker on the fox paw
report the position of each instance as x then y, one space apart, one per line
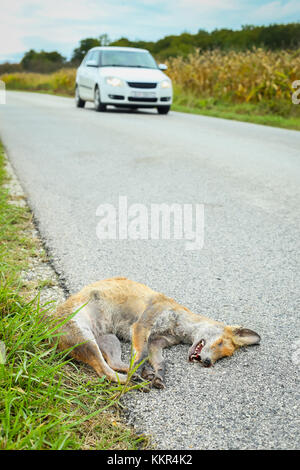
155 380
148 373
158 382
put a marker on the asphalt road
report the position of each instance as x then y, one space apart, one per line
248 178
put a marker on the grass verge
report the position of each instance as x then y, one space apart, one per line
46 401
276 114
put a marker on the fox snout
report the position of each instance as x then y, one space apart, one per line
207 362
197 355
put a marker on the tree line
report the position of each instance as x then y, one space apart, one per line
272 37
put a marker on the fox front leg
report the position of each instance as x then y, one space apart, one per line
141 331
157 361
154 369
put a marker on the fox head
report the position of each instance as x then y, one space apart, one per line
216 341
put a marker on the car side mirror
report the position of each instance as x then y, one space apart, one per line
162 66
91 63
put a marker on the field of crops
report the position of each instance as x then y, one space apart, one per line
249 76
259 79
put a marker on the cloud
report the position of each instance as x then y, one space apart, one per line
277 11
60 24
64 9
33 23
210 5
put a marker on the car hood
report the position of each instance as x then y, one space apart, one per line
133 74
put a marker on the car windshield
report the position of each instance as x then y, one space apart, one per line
115 58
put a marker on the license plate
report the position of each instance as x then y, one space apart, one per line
143 94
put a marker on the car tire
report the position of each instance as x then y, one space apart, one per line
78 101
163 109
97 101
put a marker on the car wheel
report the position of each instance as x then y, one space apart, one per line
78 101
97 101
163 109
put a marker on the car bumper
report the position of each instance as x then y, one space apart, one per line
121 96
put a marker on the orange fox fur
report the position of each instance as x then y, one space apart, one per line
120 308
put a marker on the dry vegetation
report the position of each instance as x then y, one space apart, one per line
250 76
58 82
256 82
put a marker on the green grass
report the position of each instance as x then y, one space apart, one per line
271 113
46 400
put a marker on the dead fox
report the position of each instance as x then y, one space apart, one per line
152 321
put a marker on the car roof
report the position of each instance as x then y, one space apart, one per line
117 48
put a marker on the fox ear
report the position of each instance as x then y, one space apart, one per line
243 336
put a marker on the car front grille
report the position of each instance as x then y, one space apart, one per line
145 100
142 85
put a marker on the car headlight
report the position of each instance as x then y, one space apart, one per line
114 81
166 84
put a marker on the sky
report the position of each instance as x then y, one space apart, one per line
61 24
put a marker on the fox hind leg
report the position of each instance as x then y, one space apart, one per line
90 353
111 349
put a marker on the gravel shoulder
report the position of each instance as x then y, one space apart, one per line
40 275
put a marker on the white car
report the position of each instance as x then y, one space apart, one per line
123 77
